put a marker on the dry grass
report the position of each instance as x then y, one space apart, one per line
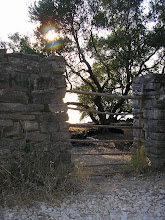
80 161
33 175
36 176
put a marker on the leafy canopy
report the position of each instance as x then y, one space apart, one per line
107 44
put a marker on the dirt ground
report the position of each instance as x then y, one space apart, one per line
99 165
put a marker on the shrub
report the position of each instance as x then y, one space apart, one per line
31 171
139 163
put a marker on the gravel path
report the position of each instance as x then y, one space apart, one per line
114 198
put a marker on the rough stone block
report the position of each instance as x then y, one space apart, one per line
157 151
152 86
57 107
136 122
31 106
56 81
47 97
64 126
9 96
15 55
1 132
20 81
3 56
9 143
61 136
4 79
24 62
43 146
156 136
161 99
135 132
154 114
31 57
61 146
35 137
58 67
15 131
53 117
157 78
15 58
136 104
156 160
153 118
6 123
156 143
14 107
53 57
3 52
51 69
154 103
152 94
156 126
53 65
17 117
49 127
30 126
138 93
18 66
137 88
138 80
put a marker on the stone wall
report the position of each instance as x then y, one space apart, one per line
32 112
153 116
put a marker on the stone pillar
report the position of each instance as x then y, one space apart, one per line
32 111
153 116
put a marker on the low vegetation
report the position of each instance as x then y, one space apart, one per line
34 175
139 163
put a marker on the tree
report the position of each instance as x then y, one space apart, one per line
22 43
126 50
158 11
157 14
2 45
19 43
115 35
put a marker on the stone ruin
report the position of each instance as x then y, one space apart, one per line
32 111
153 116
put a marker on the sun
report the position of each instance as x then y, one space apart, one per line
51 36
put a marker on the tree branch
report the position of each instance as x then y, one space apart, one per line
83 60
142 64
67 77
98 55
84 80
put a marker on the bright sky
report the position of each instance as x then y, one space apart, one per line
14 18
73 114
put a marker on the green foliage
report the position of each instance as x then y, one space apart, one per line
2 45
158 10
111 86
139 163
108 43
20 43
